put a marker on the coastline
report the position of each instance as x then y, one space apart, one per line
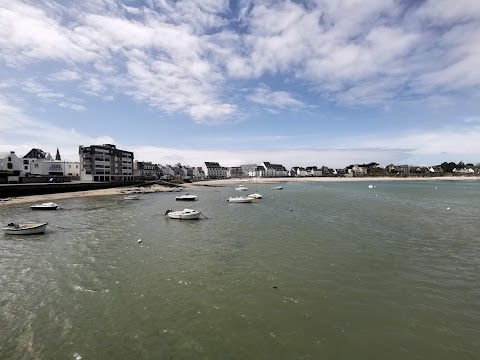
230 182
89 193
214 183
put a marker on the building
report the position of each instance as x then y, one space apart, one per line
235 172
147 170
198 173
213 170
313 171
274 170
54 168
105 163
10 162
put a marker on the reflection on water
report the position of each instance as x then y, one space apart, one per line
331 270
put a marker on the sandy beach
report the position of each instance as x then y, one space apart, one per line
230 182
219 182
82 194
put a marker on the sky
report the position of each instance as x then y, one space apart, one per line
298 83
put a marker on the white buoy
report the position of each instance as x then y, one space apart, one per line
436 188
139 241
448 208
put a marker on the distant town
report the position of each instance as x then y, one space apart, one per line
106 163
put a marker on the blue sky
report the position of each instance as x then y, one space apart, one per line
301 83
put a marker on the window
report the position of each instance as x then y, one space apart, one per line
76 166
26 167
9 158
25 162
36 165
9 165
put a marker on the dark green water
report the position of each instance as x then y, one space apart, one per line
314 271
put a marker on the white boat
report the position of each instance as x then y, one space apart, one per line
371 186
25 229
277 188
240 199
241 188
44 206
132 197
185 214
186 197
255 196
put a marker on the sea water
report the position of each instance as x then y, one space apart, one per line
313 271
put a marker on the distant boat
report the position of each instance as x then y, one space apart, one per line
241 188
25 229
370 186
45 206
185 214
255 196
186 197
240 199
132 197
277 188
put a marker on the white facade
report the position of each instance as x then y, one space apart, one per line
198 172
54 167
9 161
213 170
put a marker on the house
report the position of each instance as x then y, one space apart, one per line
357 170
213 170
105 163
235 172
298 171
258 171
54 167
10 162
313 171
463 171
147 170
274 170
198 173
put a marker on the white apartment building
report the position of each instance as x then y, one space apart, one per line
105 163
213 170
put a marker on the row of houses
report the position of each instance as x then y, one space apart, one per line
107 163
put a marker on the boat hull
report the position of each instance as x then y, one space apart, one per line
186 198
186 214
240 200
25 229
40 207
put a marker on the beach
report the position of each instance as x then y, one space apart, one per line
233 181
219 183
89 193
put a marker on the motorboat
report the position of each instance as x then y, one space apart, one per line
240 199
186 197
131 197
255 196
185 214
241 188
25 228
44 206
371 186
277 188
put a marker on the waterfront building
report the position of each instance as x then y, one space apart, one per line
213 170
105 163
274 170
198 172
235 172
10 162
147 170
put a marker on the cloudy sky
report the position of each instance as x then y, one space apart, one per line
313 82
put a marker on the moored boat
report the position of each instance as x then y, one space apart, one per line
255 196
185 214
277 188
25 228
240 199
186 197
44 206
241 188
132 197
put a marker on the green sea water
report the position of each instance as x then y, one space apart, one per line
313 271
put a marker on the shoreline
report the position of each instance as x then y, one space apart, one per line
213 183
229 182
89 193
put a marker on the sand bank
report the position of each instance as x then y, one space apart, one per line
230 182
82 194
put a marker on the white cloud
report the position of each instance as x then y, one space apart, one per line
72 106
279 99
65 75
